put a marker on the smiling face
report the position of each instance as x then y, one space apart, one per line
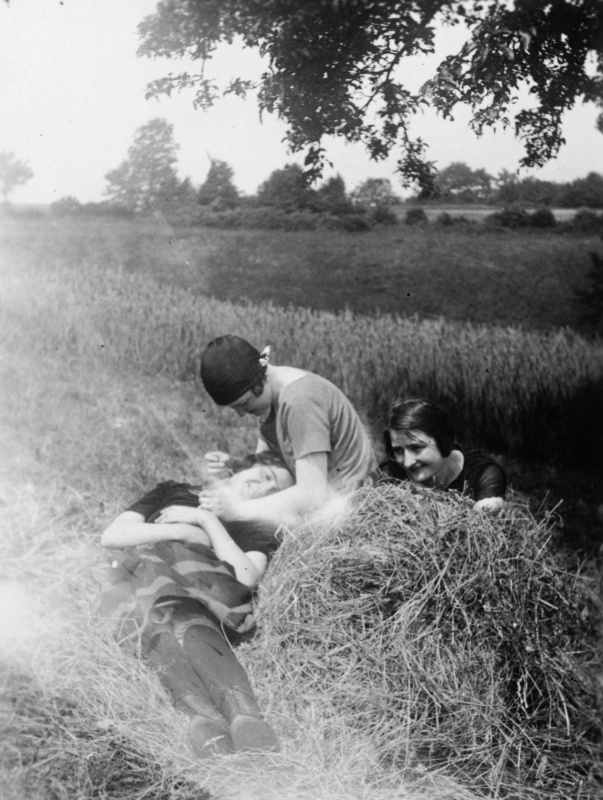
418 454
258 481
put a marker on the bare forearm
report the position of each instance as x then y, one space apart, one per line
289 506
226 549
131 534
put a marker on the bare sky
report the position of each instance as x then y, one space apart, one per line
72 96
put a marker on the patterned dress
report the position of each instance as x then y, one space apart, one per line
146 581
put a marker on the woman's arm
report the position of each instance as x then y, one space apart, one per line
289 506
490 489
248 566
129 529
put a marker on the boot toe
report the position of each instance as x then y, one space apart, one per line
208 737
250 733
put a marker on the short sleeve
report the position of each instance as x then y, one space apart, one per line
153 500
307 426
490 483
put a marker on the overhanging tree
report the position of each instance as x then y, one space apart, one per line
333 67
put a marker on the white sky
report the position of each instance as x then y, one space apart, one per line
72 96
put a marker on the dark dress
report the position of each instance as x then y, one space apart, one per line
481 477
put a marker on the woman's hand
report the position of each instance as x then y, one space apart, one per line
219 501
186 514
196 518
490 505
216 463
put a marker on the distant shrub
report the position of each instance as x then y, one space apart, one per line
105 210
511 217
66 207
384 215
259 218
220 219
542 218
298 221
448 220
182 215
352 223
270 218
415 216
584 221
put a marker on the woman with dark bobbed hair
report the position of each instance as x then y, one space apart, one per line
180 594
420 446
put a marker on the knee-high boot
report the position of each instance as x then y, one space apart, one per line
228 685
208 733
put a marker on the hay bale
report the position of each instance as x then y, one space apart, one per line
460 643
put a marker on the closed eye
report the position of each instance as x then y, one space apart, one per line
269 475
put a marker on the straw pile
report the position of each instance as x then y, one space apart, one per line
460 644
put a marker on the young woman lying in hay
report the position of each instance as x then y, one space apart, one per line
180 593
458 642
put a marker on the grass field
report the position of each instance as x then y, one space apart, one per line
468 273
479 634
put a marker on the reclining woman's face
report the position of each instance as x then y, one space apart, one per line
258 481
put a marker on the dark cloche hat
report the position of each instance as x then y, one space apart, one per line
230 366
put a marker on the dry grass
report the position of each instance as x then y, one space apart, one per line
460 272
82 719
453 642
408 650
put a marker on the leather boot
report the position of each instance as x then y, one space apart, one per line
247 728
208 733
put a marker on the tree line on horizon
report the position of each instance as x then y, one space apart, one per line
147 180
